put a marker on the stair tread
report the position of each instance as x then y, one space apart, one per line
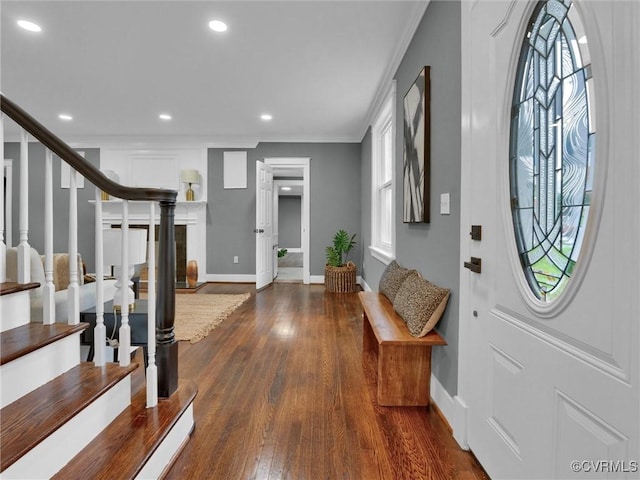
25 339
32 418
7 288
122 449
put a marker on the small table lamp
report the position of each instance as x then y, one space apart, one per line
137 246
190 177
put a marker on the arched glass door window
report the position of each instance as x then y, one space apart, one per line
552 147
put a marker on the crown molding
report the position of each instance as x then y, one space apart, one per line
186 141
401 49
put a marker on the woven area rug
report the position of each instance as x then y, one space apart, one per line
198 314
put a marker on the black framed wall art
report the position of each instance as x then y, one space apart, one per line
417 149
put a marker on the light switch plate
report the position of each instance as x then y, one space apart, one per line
444 204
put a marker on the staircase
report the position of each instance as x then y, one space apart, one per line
65 418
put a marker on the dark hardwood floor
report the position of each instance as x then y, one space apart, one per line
282 394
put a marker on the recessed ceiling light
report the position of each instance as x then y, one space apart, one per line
164 116
582 40
64 116
266 116
286 189
30 26
218 26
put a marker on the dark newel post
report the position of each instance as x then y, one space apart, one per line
166 345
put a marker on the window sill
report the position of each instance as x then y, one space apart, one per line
385 256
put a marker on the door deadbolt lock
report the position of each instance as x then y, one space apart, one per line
476 232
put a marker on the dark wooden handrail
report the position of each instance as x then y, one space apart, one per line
69 155
166 344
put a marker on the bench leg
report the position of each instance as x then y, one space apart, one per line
404 375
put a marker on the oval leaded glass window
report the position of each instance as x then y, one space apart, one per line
552 146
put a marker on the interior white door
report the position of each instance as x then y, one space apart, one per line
548 387
264 225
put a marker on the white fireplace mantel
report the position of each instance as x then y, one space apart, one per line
191 214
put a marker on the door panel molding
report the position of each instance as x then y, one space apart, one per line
506 376
599 360
574 424
504 22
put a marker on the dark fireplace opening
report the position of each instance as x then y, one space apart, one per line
181 253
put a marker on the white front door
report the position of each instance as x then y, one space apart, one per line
552 391
264 225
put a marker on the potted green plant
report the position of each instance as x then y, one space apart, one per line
339 272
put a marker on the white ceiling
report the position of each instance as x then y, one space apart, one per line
316 66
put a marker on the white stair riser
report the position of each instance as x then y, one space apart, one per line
170 447
31 371
47 458
15 308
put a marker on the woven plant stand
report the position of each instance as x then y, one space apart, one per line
340 279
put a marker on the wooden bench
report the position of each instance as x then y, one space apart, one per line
403 361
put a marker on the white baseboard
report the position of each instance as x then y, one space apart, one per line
363 283
249 278
231 278
460 428
453 409
443 400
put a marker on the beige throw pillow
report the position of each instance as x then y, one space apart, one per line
421 304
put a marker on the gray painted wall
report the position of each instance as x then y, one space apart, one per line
434 248
335 203
289 218
86 211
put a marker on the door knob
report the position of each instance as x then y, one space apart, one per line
475 265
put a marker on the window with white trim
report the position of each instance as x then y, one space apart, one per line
382 185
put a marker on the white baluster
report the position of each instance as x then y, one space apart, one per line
100 332
152 369
48 289
73 290
3 246
24 250
124 347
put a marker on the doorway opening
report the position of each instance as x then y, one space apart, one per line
287 216
291 172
